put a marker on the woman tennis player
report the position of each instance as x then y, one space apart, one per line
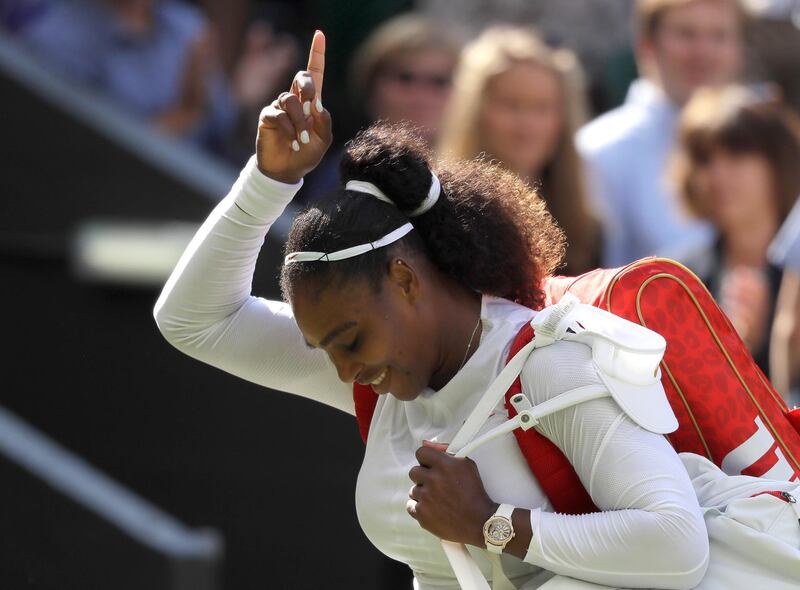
414 280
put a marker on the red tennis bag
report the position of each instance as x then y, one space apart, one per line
726 408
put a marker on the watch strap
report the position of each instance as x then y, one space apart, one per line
505 510
499 579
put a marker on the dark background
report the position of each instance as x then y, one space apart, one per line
85 364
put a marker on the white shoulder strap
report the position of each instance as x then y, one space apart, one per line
547 329
491 398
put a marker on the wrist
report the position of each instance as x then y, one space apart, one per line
498 531
484 514
284 178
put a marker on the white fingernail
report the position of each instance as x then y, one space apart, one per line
307 108
304 136
295 145
319 105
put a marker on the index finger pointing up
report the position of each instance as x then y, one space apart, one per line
316 61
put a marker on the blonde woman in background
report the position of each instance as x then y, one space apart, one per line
519 102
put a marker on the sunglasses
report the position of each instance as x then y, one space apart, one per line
408 78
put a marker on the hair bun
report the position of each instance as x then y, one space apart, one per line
393 157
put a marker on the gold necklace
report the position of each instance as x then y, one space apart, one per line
469 344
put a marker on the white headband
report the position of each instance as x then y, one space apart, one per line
348 252
362 186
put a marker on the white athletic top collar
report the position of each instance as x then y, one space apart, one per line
362 186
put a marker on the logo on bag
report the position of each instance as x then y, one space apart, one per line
759 448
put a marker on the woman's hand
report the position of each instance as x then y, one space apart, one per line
448 498
192 104
295 131
745 298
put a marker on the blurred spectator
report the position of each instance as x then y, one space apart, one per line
775 40
573 24
784 361
520 102
737 167
15 15
159 59
681 45
402 72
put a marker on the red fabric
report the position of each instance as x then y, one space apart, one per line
552 470
794 418
365 400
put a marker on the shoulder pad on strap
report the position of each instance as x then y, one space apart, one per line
626 355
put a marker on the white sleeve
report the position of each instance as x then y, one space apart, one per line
784 251
206 309
651 532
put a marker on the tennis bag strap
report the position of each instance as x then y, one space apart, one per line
555 474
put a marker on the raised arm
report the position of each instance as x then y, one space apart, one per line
206 309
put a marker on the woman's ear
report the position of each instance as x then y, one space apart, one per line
404 277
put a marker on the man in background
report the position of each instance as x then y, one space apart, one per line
681 45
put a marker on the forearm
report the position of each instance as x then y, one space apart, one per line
630 548
667 548
213 277
785 336
650 531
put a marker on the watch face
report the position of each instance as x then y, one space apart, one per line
498 531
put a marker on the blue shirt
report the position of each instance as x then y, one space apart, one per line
85 41
784 252
627 152
15 15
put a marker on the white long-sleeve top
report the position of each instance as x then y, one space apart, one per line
650 533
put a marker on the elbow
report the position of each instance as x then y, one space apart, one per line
686 555
187 328
168 328
691 564
172 328
161 316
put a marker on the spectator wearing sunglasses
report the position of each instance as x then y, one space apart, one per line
403 70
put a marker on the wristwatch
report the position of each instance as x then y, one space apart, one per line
498 529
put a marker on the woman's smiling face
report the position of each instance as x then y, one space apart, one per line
385 339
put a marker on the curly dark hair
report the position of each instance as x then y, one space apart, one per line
489 230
